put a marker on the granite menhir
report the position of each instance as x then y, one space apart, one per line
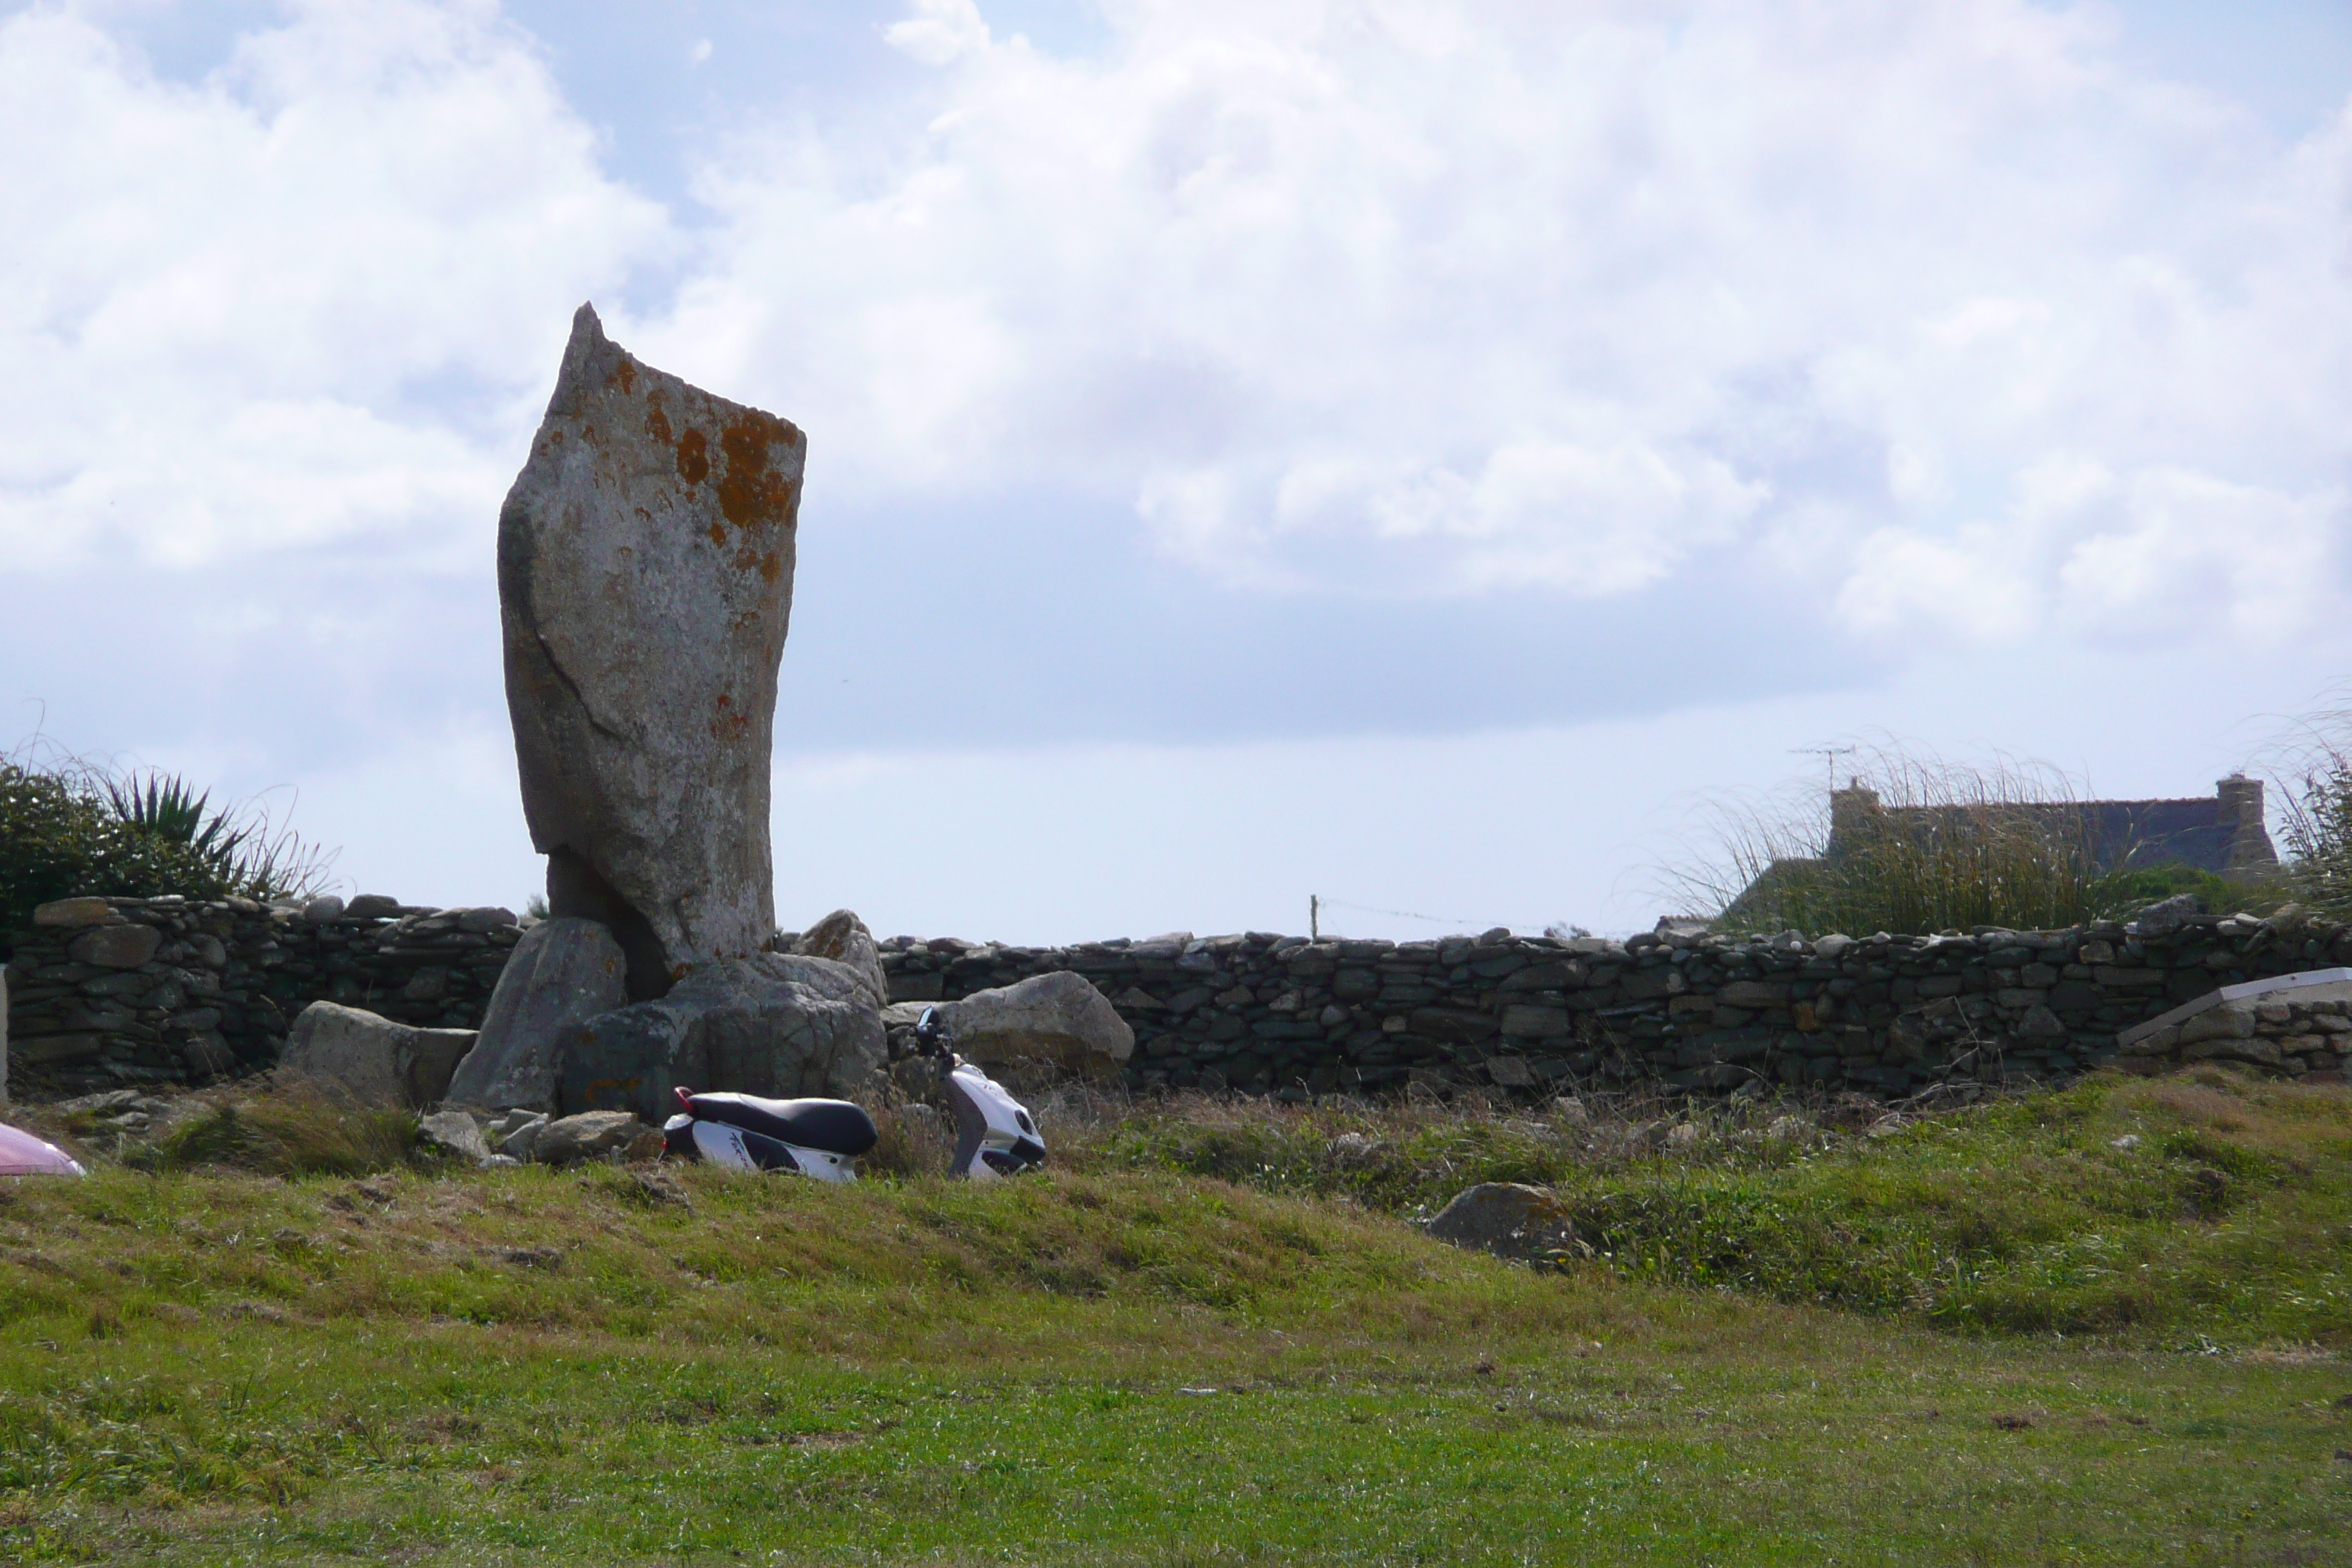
644 586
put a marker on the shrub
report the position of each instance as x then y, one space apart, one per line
70 828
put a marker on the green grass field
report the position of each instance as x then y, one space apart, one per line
1211 1335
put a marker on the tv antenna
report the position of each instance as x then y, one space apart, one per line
1829 756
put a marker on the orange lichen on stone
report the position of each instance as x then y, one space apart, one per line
752 494
657 421
719 534
771 565
727 724
625 374
694 462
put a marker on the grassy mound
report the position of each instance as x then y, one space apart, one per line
2214 1203
1136 1359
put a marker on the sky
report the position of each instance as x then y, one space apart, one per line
1416 454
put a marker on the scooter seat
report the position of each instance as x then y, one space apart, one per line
835 1126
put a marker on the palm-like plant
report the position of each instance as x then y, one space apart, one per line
166 807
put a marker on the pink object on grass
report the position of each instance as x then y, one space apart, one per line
22 1154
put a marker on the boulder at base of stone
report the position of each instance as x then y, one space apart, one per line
1505 1219
455 1134
375 1060
1044 1023
776 1025
563 972
591 1135
842 937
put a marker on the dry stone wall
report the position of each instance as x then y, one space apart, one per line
121 993
1881 1015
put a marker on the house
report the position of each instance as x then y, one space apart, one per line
2222 832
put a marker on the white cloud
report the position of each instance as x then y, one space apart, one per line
1423 297
1409 296
308 298
939 31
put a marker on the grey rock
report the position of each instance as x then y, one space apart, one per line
2168 914
487 919
1056 1020
842 937
319 910
2040 1024
563 972
116 947
515 1142
650 516
1525 1022
371 1058
592 1134
778 1025
455 1134
2231 1020
1505 1219
77 912
371 907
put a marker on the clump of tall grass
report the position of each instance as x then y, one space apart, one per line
292 1128
2311 766
1914 844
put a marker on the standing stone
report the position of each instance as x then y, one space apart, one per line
644 586
563 973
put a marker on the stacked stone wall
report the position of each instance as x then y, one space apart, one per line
1880 1014
116 992
121 993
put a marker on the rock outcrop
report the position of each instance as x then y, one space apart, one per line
778 1025
564 972
646 560
373 1060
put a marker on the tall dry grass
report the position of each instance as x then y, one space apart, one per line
2309 769
284 1127
1952 846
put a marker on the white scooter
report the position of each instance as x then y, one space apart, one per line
819 1138
994 1135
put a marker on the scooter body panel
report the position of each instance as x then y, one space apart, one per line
994 1136
739 1149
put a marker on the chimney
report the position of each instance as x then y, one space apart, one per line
2241 812
1852 811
